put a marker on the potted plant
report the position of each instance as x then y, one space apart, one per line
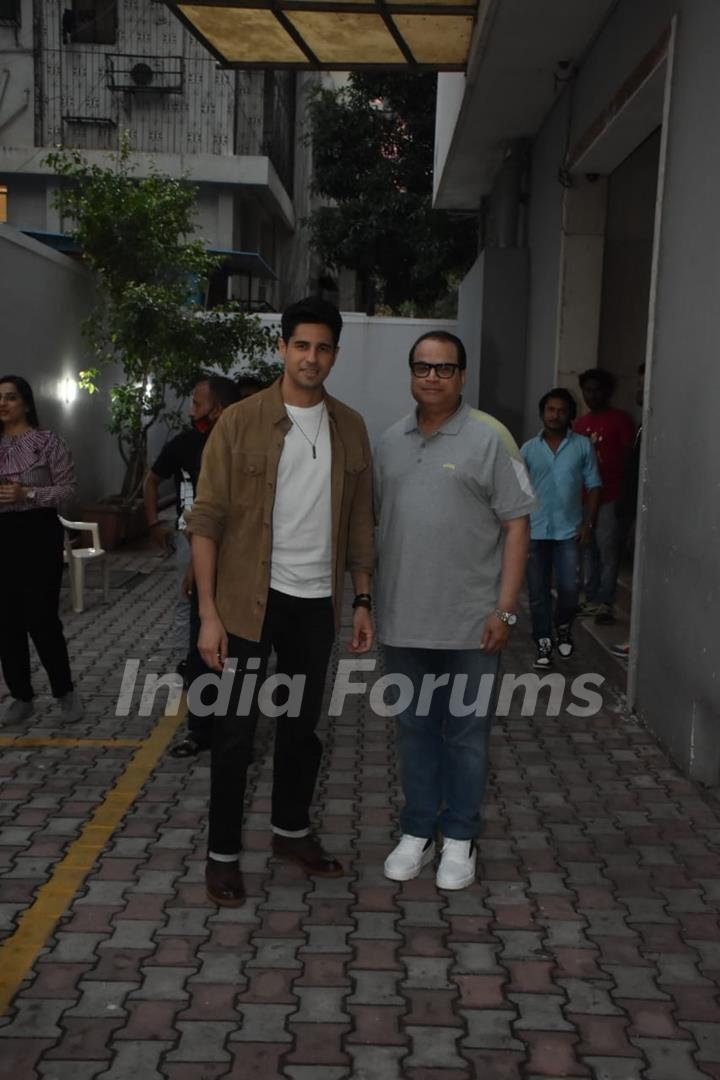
136 236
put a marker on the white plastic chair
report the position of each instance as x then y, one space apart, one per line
78 557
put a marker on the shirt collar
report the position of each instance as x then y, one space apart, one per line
452 426
569 434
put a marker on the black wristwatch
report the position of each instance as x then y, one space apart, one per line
363 599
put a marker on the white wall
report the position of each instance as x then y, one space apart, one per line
43 300
371 373
678 665
545 243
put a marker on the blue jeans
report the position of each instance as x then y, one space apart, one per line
444 758
546 556
603 557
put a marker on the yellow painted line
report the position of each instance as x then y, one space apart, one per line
22 740
19 952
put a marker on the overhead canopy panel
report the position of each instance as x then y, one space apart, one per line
333 35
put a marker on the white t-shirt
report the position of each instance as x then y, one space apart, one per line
302 546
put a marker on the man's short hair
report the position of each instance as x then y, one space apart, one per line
598 374
313 309
442 335
564 395
222 390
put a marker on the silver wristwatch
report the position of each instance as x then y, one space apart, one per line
31 494
508 617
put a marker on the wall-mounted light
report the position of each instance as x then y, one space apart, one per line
67 390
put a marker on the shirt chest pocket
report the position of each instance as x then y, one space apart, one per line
249 477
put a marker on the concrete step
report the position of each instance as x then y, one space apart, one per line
596 643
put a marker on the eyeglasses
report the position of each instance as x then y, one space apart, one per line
421 370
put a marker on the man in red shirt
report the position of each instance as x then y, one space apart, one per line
611 432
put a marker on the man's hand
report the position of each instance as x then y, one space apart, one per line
163 537
584 534
188 582
495 635
213 642
363 631
12 493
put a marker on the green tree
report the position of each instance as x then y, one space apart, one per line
135 234
373 159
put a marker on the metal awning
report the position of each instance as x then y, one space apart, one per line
57 241
244 262
333 35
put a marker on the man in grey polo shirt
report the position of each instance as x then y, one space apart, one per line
453 499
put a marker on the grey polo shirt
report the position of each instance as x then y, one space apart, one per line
440 502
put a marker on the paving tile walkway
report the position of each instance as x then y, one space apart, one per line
588 948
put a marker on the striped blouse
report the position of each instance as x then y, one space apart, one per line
40 460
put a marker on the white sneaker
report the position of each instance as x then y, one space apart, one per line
408 858
457 864
17 711
71 707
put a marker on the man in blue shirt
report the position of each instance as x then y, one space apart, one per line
561 465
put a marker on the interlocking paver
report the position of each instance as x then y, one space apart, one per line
35 1018
588 947
102 999
670 1059
377 1062
262 1023
132 1059
490 1029
375 988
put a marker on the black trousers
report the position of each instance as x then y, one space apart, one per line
31 555
199 727
301 631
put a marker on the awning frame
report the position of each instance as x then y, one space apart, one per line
384 9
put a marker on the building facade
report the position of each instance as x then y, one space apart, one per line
88 74
583 134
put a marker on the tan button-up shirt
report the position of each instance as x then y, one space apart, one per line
236 495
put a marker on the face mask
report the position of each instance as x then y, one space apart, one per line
202 423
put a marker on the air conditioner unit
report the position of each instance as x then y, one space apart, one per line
145 74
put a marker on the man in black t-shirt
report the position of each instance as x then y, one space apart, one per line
180 458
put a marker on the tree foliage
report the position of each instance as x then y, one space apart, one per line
135 234
373 158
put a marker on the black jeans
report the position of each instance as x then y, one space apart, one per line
301 631
31 554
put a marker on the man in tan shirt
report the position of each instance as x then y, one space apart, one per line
283 509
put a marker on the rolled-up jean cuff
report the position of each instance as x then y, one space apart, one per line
223 858
296 833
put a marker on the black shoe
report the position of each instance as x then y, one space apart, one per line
565 646
182 671
543 657
188 747
605 615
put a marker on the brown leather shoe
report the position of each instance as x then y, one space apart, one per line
224 883
307 852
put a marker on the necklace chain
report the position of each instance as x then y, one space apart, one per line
312 443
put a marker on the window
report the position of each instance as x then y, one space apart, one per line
3 203
90 22
9 12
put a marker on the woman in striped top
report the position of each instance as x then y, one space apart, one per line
36 475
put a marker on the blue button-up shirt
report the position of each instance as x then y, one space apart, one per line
559 479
